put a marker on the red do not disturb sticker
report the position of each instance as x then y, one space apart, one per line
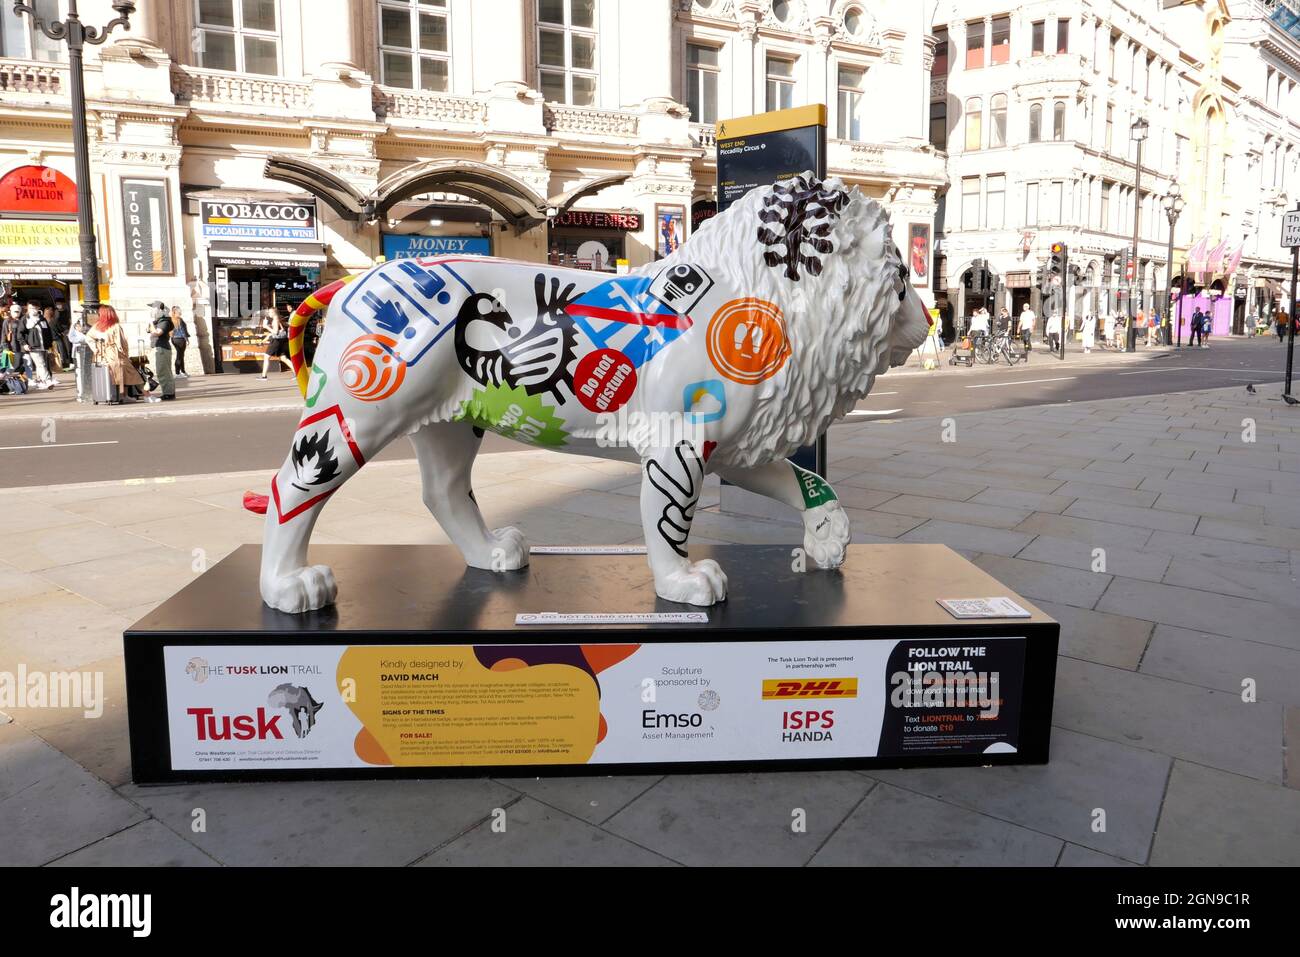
605 379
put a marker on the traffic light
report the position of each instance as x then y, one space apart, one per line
1057 264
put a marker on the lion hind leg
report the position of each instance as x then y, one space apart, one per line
446 452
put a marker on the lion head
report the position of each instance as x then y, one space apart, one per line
823 252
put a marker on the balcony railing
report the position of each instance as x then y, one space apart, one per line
392 103
585 121
704 135
33 78
194 86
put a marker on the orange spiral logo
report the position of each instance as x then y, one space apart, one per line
369 371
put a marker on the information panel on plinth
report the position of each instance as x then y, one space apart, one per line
426 668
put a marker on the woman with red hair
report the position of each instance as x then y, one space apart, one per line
108 340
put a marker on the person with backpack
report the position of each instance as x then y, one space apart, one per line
160 338
37 342
180 339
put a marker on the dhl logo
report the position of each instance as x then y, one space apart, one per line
778 688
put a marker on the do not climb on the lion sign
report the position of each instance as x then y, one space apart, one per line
765 326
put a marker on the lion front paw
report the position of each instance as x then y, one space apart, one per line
826 534
304 589
509 549
695 583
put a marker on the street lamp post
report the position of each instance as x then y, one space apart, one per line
1138 131
1173 209
76 34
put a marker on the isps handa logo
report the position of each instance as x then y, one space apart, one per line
262 725
784 689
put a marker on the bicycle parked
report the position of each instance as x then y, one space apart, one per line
1001 345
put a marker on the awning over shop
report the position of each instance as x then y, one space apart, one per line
503 193
62 271
287 255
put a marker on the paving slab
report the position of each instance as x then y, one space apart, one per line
1213 661
968 538
1127 562
532 834
385 823
1104 534
897 828
147 844
1076 856
740 819
1169 717
593 798
1040 580
1215 819
1113 640
1062 798
1189 608
1133 516
50 805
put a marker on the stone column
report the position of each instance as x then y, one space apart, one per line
341 89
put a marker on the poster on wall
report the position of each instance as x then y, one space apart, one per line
266 707
669 229
919 253
147 227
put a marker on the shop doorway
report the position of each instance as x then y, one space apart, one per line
243 296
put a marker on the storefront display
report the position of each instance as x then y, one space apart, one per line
39 238
591 239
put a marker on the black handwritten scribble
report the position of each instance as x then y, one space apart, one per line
675 521
314 461
797 221
538 358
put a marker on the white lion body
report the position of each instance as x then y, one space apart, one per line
778 343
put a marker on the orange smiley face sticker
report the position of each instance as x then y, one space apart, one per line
747 341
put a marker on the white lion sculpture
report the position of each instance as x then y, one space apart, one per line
769 323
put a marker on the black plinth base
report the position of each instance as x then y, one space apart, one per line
420 670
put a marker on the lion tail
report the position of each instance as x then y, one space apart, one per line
313 304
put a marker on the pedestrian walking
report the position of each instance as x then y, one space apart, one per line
180 339
1089 333
60 355
160 339
1194 329
1165 339
277 341
82 358
979 324
1207 326
1281 326
11 339
1053 330
108 340
1027 319
39 338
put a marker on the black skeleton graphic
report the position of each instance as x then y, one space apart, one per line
798 218
493 348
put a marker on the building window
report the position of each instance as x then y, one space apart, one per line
702 82
780 83
975 45
19 37
1036 44
1031 204
997 202
413 46
1062 36
970 202
1036 123
1114 56
939 125
1001 46
240 36
974 123
849 118
566 51
940 53
1110 127
1056 204
1058 121
997 121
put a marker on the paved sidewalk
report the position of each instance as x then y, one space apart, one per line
225 394
1178 691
